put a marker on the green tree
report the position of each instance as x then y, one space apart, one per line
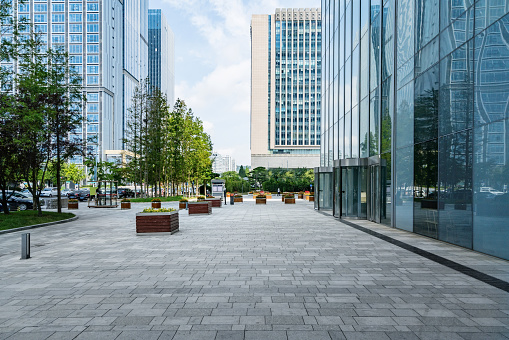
242 172
73 173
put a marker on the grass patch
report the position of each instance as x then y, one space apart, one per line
18 219
163 199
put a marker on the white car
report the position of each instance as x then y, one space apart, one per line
49 192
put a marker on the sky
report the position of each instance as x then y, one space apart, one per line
213 64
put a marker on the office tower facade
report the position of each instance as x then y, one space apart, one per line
285 88
222 163
415 119
161 54
107 45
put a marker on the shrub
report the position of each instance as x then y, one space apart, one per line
150 210
261 196
73 200
238 196
125 200
289 196
200 197
183 199
156 200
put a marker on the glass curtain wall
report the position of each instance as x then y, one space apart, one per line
424 86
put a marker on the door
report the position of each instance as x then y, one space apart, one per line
374 193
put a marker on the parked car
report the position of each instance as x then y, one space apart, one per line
49 192
2 207
18 201
83 195
73 194
125 193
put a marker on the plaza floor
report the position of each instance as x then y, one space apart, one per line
245 272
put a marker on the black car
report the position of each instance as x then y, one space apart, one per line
83 195
18 201
73 195
125 193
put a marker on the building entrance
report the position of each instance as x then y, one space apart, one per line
358 188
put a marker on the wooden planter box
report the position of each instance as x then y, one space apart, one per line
72 205
203 207
261 200
311 198
282 198
268 196
182 205
216 202
238 199
290 200
156 205
301 196
125 205
163 222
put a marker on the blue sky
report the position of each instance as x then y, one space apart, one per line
212 63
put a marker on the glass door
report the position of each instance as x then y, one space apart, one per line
337 192
374 191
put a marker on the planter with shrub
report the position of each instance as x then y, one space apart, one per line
261 199
238 199
183 203
289 199
157 221
156 203
125 203
72 204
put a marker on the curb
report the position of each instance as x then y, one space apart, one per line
37 225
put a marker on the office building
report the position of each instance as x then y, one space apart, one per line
222 163
285 88
107 46
415 119
161 55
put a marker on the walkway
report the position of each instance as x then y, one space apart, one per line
245 272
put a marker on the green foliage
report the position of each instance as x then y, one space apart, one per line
160 210
25 218
242 172
125 200
291 180
163 199
234 182
156 200
72 172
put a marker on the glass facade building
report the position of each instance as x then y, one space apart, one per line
161 54
286 88
415 117
107 44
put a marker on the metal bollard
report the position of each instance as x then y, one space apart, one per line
187 205
25 246
232 199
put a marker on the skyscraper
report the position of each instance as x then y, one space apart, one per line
285 88
161 54
107 44
415 118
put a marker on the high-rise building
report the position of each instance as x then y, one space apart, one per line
285 88
107 45
161 54
415 123
222 163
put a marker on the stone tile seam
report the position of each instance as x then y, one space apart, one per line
38 225
488 279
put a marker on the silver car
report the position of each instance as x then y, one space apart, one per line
49 192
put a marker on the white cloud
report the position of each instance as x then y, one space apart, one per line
220 96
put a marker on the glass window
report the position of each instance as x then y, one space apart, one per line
387 107
374 54
348 135
427 25
58 7
457 34
76 59
341 138
93 48
365 13
426 57
75 7
75 28
91 38
426 202
92 59
364 128
75 48
348 30
387 41
356 22
92 7
490 186
40 7
92 17
364 84
92 80
92 128
92 107
92 28
491 55
93 69
75 17
58 18
58 38
455 172
405 30
456 91
452 9
355 76
374 123
93 118
76 37
405 116
348 85
58 28
23 8
355 132
426 106
92 97
40 18
404 188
